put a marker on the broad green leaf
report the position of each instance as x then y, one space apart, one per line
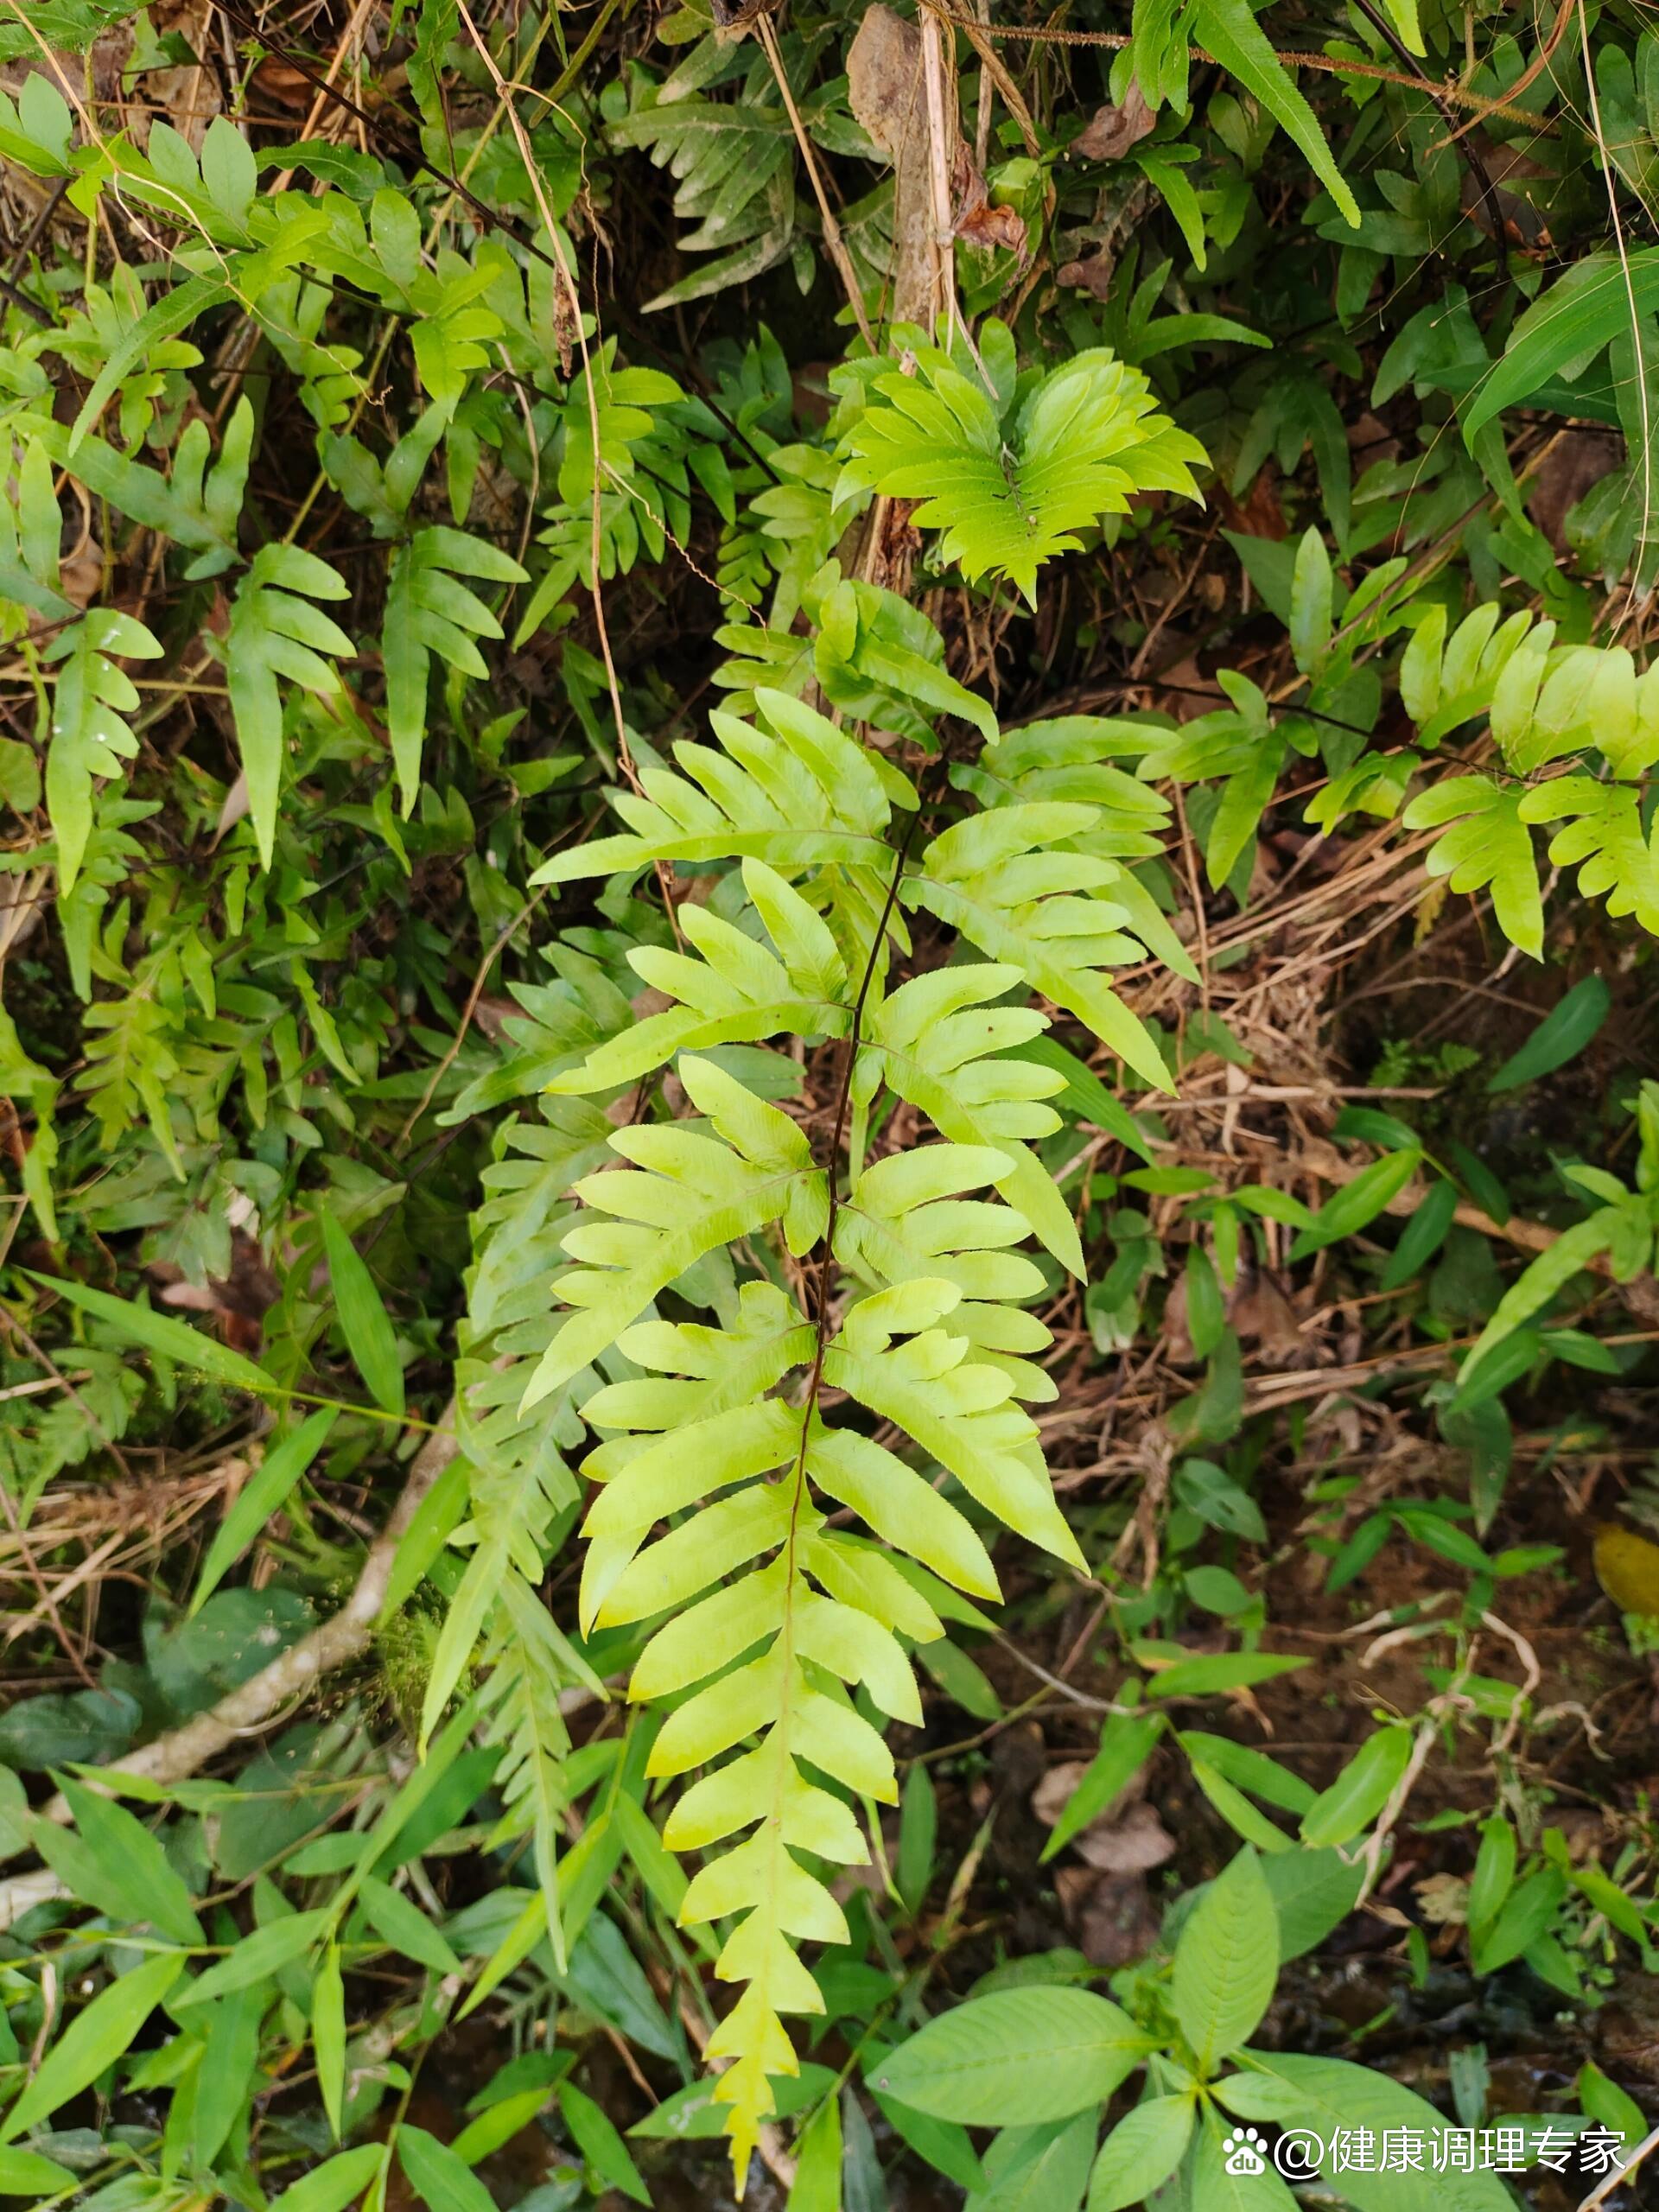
603 2148
328 2035
405 1926
1237 1811
1527 1914
1547 1275
1352 1204
441 2181
1249 1769
94 2039
1228 31
1226 1961
1422 1237
331 2186
1360 1791
160 1334
134 1866
1331 2097
364 1321
1559 1037
1221 1670
1494 1872
1015 2059
1587 308
816 2186
25 2173
1314 1891
258 1957
263 1494
1126 1744
1140 2153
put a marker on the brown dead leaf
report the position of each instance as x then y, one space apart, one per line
1057 1788
1264 1318
239 1304
281 83
1113 131
1094 275
1112 1915
979 223
1133 1845
886 91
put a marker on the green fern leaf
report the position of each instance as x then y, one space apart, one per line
940 1042
275 632
429 610
1011 485
798 793
997 878
959 1409
738 992
733 161
1487 843
1240 746
694 1193
1605 841
1575 699
1069 758
90 738
1444 684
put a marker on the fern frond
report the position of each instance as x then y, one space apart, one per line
528 1664
811 1611
1488 842
796 794
1575 699
1604 840
1444 683
941 1043
430 610
737 992
733 161
1011 481
1070 759
90 737
959 1409
694 1194
277 632
998 879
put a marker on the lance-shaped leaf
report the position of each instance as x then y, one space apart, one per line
797 793
277 632
89 735
689 1193
430 610
998 879
738 992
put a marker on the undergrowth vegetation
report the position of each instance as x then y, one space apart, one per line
830 1123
